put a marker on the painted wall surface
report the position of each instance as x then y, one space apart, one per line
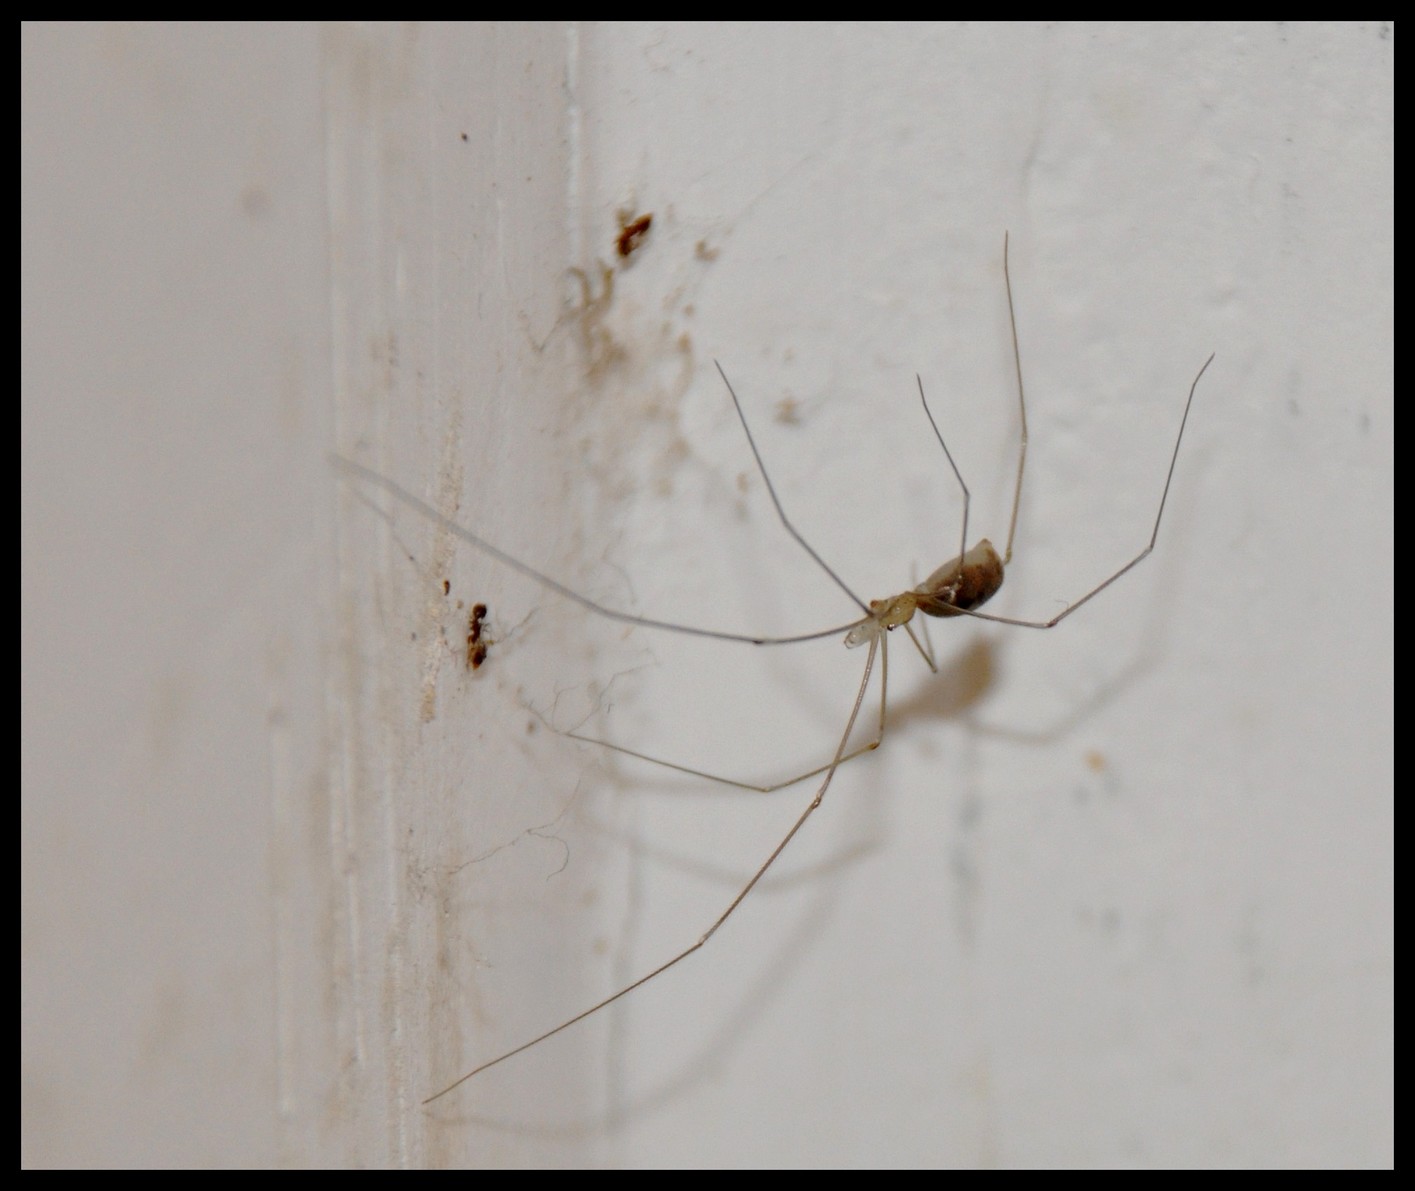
1114 894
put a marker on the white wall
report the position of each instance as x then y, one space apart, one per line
1115 894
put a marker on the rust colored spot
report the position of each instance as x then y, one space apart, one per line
631 235
476 646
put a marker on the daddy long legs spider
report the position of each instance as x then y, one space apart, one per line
960 587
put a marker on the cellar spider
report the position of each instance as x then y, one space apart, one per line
958 588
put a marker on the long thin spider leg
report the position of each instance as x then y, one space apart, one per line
771 491
721 918
926 650
753 787
926 654
1139 558
958 475
398 492
1021 405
